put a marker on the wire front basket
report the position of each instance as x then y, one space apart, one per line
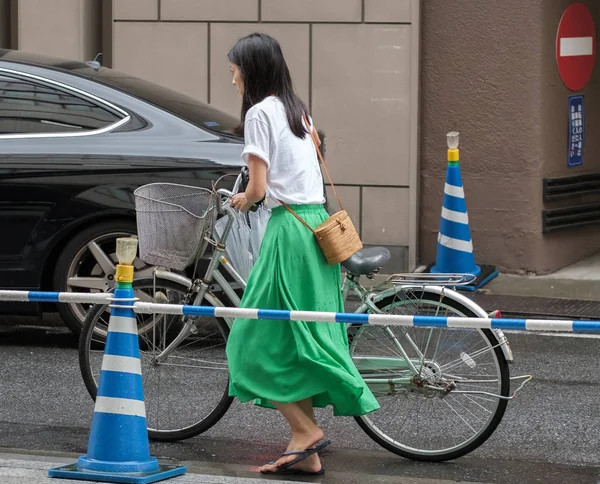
173 222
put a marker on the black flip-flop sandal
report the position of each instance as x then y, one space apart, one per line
302 455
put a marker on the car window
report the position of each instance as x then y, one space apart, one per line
196 112
28 107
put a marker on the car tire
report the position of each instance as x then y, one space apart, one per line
77 260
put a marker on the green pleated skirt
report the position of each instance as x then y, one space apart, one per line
289 361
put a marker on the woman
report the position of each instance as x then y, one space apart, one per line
290 366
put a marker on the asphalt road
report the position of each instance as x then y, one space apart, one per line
550 433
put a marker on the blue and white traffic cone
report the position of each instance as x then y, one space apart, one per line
455 247
118 447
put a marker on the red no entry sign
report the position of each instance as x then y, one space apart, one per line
576 46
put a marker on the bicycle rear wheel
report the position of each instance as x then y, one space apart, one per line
423 415
187 393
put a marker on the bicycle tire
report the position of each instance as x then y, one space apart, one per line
404 451
90 382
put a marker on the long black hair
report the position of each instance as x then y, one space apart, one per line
265 73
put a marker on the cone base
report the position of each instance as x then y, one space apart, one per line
486 274
72 471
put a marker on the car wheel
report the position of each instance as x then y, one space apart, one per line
87 264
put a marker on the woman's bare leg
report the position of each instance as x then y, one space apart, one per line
307 408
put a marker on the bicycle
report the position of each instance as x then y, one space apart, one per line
419 375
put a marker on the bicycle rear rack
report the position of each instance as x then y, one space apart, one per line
431 279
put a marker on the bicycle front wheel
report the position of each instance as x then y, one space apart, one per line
187 392
438 388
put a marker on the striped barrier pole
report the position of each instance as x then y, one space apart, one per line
373 319
56 297
578 326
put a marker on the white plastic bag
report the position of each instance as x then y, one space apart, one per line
243 244
258 224
237 247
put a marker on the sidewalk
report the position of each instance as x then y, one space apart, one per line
29 468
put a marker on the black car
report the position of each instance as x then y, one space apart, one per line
76 139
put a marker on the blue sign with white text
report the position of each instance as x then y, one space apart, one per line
576 131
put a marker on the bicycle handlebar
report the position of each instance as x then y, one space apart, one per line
223 207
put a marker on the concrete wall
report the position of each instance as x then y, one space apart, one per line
64 28
491 74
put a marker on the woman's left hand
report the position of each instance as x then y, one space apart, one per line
240 202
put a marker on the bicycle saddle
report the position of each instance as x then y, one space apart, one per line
367 261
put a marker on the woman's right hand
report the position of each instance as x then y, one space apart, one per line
240 202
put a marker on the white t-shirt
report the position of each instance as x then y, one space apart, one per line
293 172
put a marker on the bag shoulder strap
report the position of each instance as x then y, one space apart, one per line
297 216
312 135
311 128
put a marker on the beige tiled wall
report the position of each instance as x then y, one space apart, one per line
209 10
312 10
171 54
385 215
388 10
65 28
136 10
361 97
